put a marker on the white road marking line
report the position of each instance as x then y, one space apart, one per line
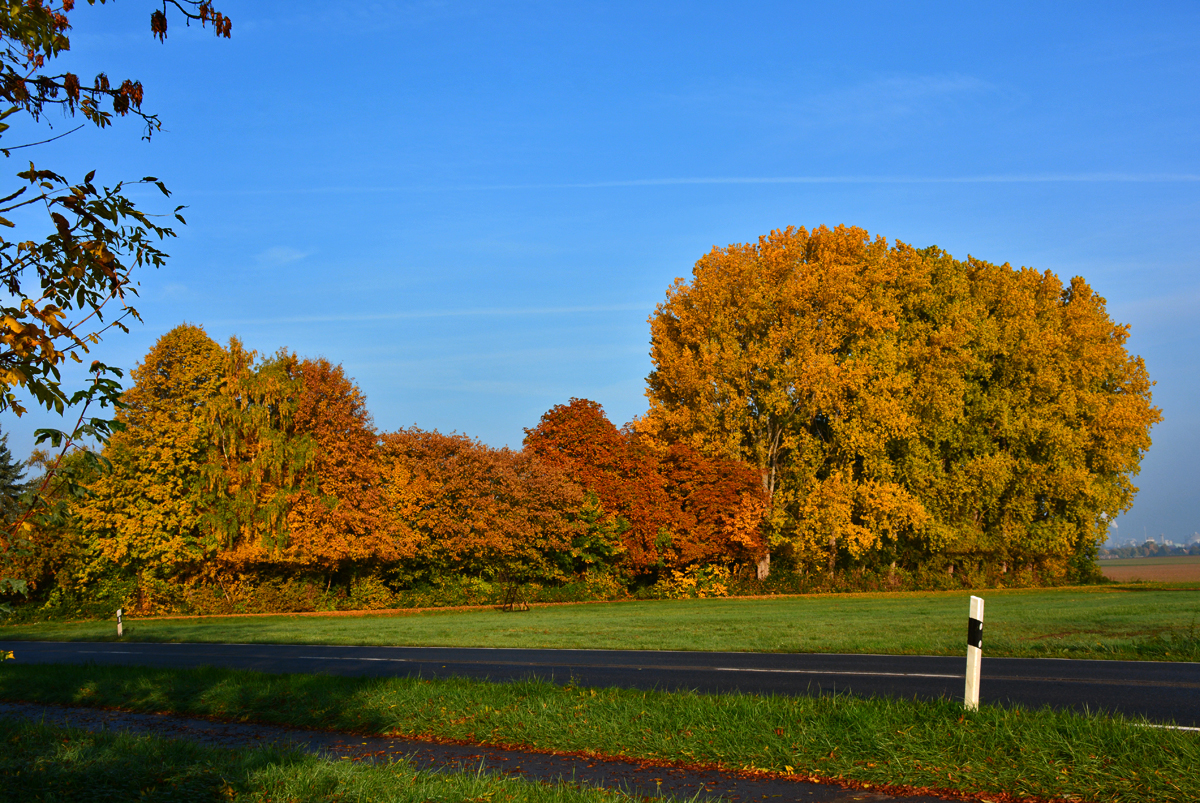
1165 727
680 668
1003 678
836 672
350 658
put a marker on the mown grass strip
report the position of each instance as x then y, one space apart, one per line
1129 622
44 763
1042 753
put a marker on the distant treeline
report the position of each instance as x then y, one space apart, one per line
1150 549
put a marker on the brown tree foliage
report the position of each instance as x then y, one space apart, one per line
681 506
480 511
343 518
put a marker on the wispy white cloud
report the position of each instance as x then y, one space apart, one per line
1098 177
1026 178
419 314
279 255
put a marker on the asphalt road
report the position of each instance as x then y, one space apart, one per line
1162 692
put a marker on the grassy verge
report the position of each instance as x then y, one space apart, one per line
1136 621
44 763
1041 752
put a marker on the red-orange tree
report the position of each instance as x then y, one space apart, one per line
720 507
478 511
579 438
681 507
343 519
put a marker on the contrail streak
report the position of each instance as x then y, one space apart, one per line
460 313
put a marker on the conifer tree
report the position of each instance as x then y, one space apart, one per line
11 485
11 488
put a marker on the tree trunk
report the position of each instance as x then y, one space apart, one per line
763 567
832 554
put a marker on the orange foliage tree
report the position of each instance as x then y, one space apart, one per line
681 507
483 512
342 520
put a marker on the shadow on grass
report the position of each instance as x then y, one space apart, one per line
42 762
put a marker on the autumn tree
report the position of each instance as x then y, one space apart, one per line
681 507
899 403
147 513
578 438
1034 417
718 505
342 519
482 512
259 461
70 276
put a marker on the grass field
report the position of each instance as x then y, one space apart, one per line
1132 621
1022 752
43 763
1179 569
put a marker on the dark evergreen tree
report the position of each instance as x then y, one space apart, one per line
12 485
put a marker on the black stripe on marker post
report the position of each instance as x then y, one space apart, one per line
974 633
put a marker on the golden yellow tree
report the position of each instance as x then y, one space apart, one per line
146 514
782 353
901 404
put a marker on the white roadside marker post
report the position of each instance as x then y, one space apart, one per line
120 625
974 654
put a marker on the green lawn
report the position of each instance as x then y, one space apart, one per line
1045 753
1117 621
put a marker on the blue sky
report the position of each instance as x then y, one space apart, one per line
475 207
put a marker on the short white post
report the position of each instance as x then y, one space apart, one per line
974 654
120 625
